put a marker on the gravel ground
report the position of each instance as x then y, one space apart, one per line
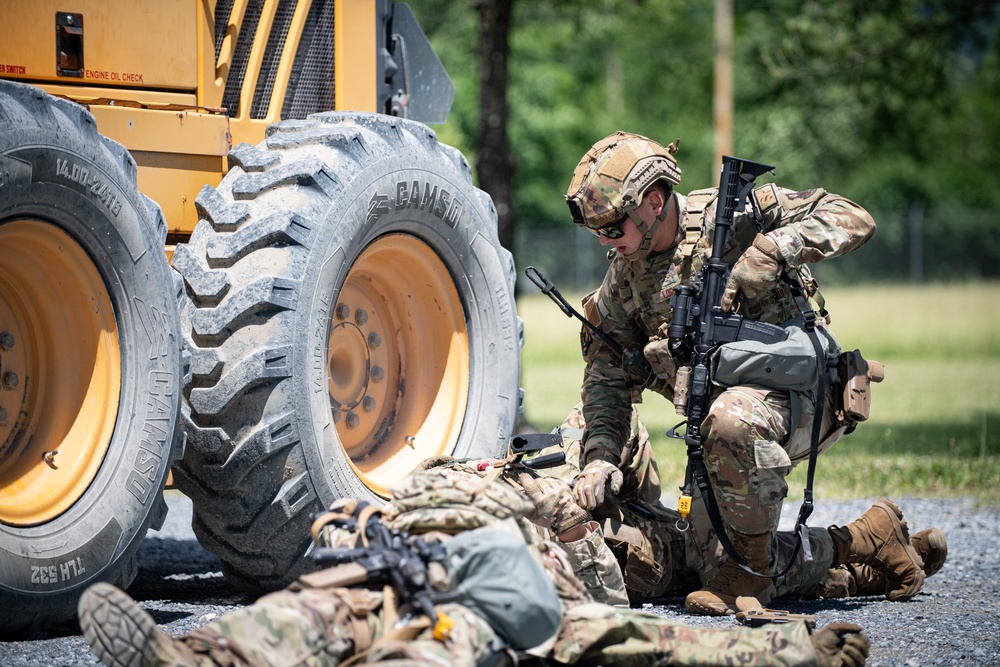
953 621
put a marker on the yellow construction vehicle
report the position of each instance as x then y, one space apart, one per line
230 250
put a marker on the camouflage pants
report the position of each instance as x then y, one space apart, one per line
594 634
704 555
746 463
322 628
691 557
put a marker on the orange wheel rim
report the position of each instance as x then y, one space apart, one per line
60 371
397 360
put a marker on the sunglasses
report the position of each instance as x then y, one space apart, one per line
612 231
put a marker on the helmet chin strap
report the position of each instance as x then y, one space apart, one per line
646 245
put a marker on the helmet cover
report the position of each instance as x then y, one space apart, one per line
612 178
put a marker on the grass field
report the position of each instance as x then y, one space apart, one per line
935 425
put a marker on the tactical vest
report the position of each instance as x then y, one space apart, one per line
695 229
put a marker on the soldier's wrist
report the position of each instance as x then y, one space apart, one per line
601 452
570 519
767 245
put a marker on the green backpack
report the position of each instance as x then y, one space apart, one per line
495 575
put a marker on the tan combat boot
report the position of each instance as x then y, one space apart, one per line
879 538
930 544
718 597
122 634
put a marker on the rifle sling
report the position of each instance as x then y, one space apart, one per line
364 514
696 461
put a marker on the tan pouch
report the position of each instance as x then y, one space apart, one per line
856 376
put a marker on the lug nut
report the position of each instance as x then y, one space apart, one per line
6 340
360 317
343 311
337 416
374 340
377 374
10 380
368 404
3 415
353 420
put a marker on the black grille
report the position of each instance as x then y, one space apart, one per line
222 12
272 57
311 85
234 82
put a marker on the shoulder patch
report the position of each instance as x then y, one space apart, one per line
766 196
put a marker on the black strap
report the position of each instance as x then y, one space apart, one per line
809 318
696 461
696 464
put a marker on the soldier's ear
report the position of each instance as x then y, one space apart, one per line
656 198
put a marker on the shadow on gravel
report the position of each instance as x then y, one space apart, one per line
181 571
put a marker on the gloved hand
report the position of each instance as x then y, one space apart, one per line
553 500
593 479
841 645
754 273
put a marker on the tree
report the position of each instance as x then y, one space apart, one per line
494 163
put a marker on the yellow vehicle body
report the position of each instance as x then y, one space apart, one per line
150 74
231 253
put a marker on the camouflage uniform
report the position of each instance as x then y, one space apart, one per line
685 558
750 442
763 416
325 626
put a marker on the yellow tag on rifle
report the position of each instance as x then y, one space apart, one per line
442 629
684 506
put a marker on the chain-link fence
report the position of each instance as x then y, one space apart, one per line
912 245
570 257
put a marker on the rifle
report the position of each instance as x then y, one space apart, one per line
519 446
390 557
698 326
633 361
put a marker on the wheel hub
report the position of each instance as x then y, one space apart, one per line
398 360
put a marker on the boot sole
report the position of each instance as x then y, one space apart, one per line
118 630
699 608
903 537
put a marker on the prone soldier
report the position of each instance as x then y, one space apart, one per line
658 559
500 562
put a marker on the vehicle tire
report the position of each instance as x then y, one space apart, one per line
89 359
350 312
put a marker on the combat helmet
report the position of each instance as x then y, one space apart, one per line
612 178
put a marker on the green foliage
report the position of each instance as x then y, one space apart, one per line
879 96
894 104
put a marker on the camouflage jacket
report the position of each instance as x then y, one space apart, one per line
633 302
